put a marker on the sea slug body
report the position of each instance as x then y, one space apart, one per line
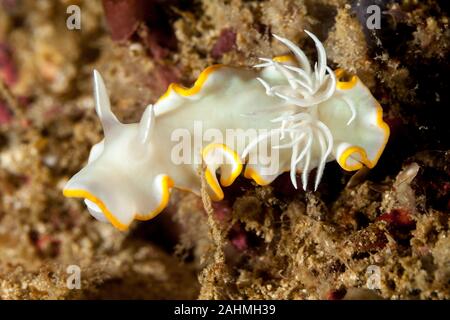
289 116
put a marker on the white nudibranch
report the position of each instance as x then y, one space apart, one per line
288 117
